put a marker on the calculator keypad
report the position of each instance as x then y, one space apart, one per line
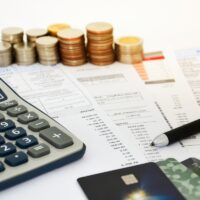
22 139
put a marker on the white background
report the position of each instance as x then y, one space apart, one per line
160 23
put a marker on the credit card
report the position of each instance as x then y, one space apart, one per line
193 164
141 182
186 181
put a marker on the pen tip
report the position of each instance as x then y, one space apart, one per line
152 144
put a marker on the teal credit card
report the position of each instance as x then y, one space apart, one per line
185 180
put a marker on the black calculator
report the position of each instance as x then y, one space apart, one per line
31 142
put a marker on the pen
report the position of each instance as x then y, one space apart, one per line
176 134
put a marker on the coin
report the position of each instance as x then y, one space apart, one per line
129 49
72 47
47 49
25 54
5 54
99 28
33 34
12 35
100 43
54 28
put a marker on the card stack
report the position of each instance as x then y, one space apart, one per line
165 180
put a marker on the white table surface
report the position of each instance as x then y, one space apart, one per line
174 23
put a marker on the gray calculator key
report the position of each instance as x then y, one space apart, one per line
2 117
8 104
56 137
17 110
39 150
38 125
27 117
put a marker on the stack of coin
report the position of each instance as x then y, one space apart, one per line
12 35
129 49
33 34
5 54
25 54
72 47
47 50
100 43
53 29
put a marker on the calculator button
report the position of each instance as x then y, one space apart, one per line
27 117
8 104
56 137
26 142
2 168
15 133
3 97
17 110
16 159
6 149
6 125
39 150
38 125
2 117
2 141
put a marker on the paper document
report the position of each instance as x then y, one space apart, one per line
172 94
119 91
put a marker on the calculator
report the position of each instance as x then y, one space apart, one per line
31 142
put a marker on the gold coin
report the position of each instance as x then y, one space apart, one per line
129 41
99 28
54 28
